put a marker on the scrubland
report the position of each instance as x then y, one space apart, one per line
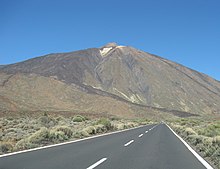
202 135
26 132
21 133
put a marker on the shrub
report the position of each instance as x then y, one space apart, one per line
216 140
24 144
90 130
47 121
145 122
78 118
118 126
179 129
208 152
100 128
81 134
207 141
130 124
195 139
66 130
60 118
60 133
105 122
57 136
5 147
189 131
211 130
77 135
39 136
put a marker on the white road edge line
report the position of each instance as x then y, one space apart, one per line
140 135
128 143
154 127
97 163
69 142
192 151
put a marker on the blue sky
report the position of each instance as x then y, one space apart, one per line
187 32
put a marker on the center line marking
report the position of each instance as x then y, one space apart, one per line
140 135
97 163
129 143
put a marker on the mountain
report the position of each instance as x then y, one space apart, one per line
106 76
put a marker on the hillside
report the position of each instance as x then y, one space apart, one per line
113 79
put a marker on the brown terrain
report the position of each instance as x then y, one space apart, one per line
111 80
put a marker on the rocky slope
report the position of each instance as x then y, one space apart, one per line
122 74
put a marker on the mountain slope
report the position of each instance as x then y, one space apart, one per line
37 93
130 75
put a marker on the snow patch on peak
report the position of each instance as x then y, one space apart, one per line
120 47
104 51
107 48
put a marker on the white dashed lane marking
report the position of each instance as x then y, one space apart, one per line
140 135
128 143
97 163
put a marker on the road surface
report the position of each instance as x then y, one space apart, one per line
148 147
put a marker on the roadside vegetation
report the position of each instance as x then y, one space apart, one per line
27 132
203 136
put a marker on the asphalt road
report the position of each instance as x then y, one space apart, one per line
148 147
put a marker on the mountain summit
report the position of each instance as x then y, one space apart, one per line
113 72
111 44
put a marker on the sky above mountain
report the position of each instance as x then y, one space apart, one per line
186 32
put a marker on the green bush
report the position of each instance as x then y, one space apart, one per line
66 130
60 133
105 122
90 130
57 136
78 118
39 136
81 134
